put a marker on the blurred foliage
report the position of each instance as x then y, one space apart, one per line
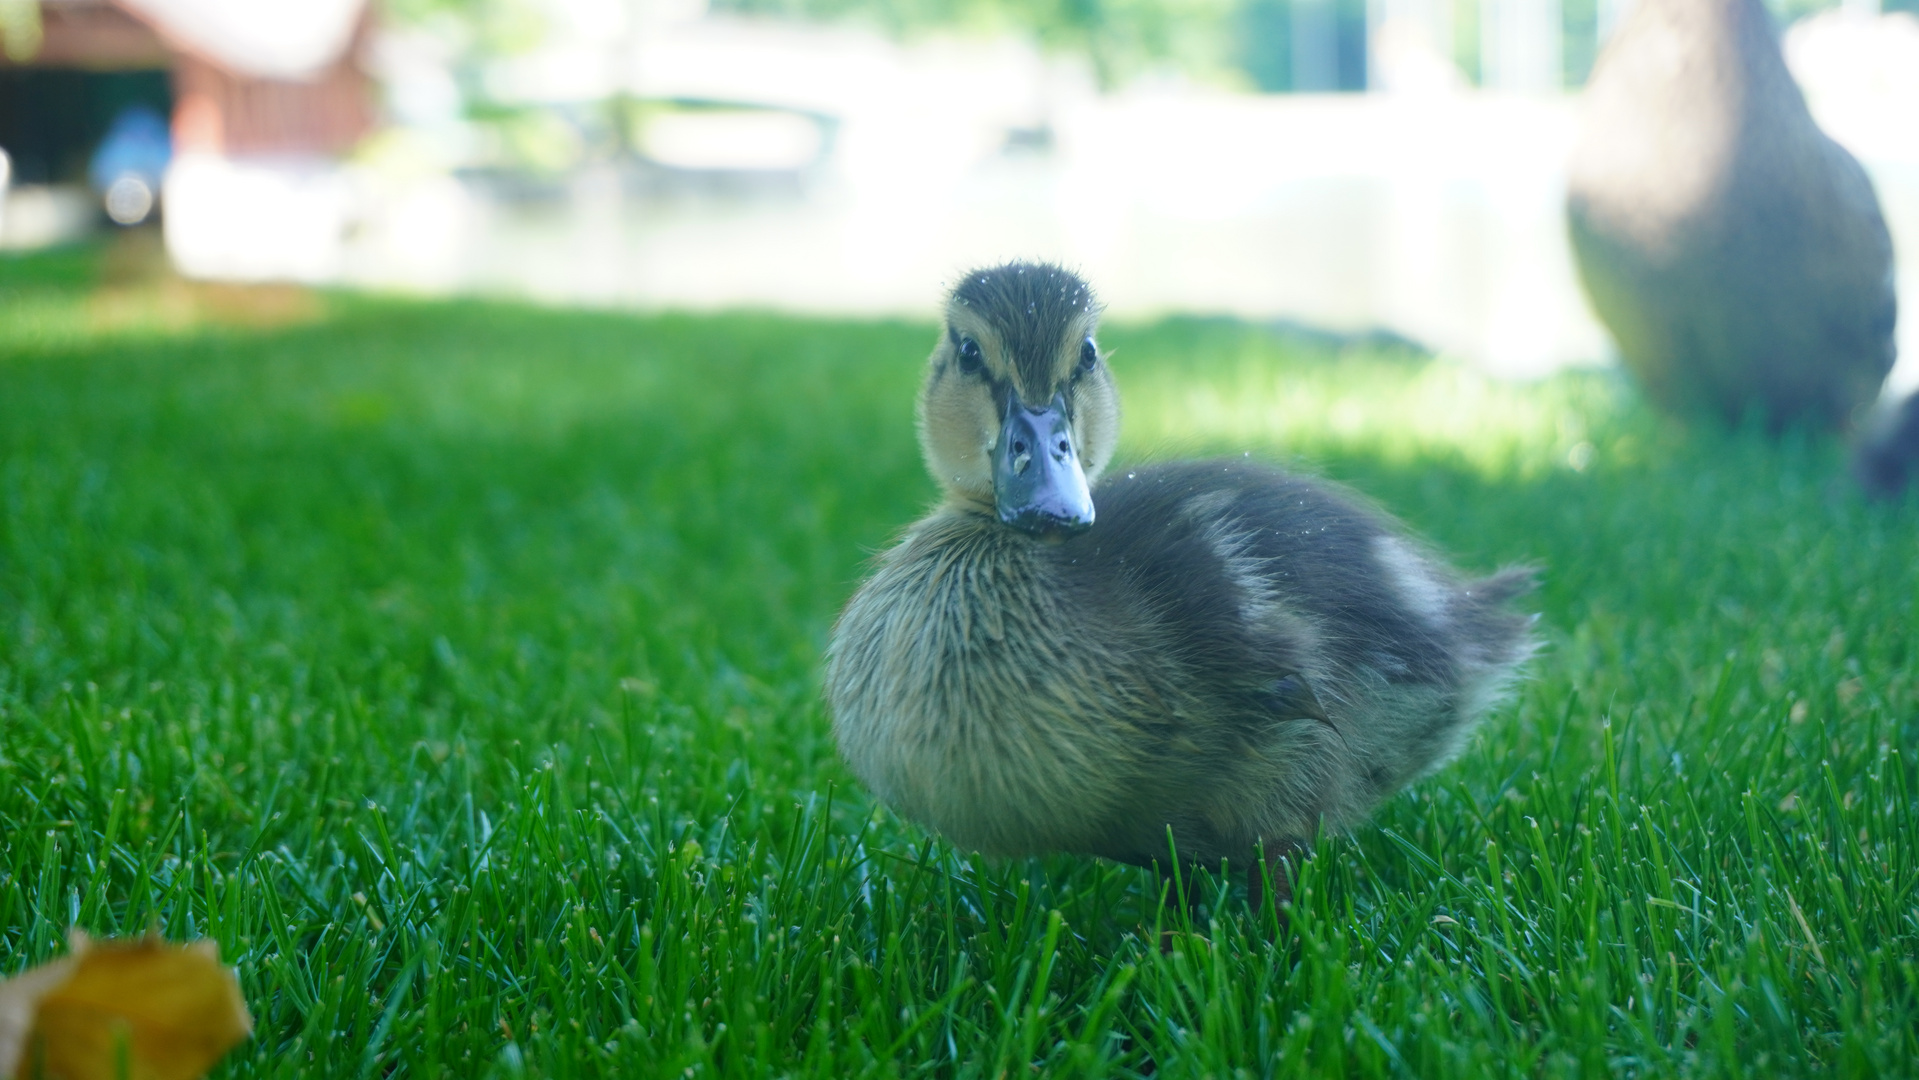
1246 43
1119 37
1790 10
20 30
1263 33
499 27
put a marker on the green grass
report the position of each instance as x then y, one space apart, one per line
456 667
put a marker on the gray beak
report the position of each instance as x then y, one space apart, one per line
1038 484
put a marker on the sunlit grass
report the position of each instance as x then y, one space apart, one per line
456 667
1287 394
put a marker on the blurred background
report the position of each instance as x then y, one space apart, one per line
1357 167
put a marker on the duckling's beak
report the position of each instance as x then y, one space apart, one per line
1037 481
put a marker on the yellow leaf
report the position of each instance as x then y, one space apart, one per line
144 1010
20 999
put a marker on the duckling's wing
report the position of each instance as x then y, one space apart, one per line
1290 697
1290 598
1313 654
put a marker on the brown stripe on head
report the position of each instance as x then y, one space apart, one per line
1036 313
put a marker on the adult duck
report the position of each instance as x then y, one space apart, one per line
1737 254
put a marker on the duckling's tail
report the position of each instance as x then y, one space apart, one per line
1496 639
1506 585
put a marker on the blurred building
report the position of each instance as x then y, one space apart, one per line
255 103
67 71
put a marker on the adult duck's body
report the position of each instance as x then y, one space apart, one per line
1736 253
1228 652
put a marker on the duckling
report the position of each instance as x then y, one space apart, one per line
1736 253
1058 661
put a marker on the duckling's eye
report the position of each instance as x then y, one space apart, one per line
1088 356
969 355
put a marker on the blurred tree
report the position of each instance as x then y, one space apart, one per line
1266 43
1270 45
1581 40
1466 39
20 29
1311 45
1785 11
497 26
1350 44
1121 38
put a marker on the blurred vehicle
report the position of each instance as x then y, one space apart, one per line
128 166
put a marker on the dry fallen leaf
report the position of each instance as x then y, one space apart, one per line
144 1010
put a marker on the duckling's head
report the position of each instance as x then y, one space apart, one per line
1019 414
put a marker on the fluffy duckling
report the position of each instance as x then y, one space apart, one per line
1052 662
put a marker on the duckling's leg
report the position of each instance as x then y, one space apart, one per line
1178 900
1273 868
1271 874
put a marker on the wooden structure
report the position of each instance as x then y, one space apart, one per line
229 96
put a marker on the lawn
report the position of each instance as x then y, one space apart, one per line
456 666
